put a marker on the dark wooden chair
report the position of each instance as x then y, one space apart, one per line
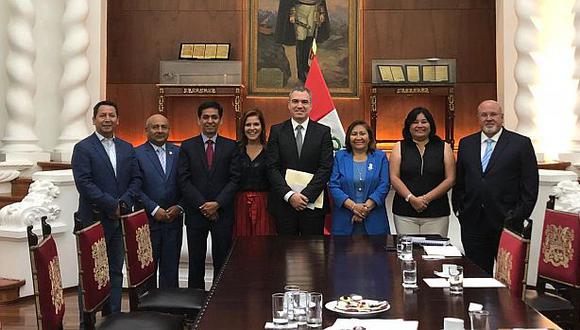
141 274
559 266
46 278
95 286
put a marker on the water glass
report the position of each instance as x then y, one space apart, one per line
299 304
479 320
456 280
407 252
314 312
400 240
279 314
409 268
288 289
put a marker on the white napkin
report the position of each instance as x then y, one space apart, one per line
375 324
472 282
447 251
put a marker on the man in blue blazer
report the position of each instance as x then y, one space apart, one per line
208 176
496 185
106 172
160 196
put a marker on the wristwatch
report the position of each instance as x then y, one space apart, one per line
408 198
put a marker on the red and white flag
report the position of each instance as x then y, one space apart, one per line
323 110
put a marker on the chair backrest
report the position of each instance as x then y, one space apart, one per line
512 262
560 248
93 262
47 280
138 250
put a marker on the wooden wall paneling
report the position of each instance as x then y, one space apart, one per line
476 61
140 39
427 4
136 103
181 5
467 98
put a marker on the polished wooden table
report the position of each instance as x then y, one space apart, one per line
258 267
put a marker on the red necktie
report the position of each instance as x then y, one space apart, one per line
209 153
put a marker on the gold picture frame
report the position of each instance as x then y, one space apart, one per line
204 51
273 60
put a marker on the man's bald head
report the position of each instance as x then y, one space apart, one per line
157 129
490 117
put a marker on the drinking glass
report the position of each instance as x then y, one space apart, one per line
279 314
288 289
314 312
299 304
400 240
407 252
456 280
479 320
409 268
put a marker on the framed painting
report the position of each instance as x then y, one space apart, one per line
281 36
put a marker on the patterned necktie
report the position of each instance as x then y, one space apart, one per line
209 153
161 155
299 138
486 154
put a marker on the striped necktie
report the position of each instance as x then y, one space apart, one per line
487 154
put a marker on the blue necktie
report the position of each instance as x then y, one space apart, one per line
486 154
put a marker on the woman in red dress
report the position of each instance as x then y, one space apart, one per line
252 217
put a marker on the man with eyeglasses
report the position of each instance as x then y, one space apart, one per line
303 145
496 184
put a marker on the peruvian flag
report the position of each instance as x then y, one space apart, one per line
323 110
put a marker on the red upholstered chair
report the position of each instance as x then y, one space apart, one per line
512 262
141 274
559 266
46 279
95 286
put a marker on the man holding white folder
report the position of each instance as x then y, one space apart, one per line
305 148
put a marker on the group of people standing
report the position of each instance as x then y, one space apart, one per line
233 189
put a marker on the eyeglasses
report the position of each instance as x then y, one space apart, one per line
484 115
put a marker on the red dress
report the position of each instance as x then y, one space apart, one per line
252 217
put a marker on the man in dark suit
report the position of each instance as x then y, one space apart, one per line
496 186
160 196
208 176
304 145
106 172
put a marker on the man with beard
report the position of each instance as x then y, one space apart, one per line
496 184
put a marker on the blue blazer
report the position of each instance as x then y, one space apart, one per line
96 182
159 188
376 188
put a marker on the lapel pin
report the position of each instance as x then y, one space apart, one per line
171 152
370 166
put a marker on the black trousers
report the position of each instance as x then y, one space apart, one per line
221 242
480 240
307 222
302 56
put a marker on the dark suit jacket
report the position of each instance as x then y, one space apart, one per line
96 182
282 154
507 189
159 188
199 185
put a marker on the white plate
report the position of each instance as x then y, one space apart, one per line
331 306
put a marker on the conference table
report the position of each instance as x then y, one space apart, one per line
257 267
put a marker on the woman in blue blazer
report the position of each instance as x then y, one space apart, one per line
359 184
